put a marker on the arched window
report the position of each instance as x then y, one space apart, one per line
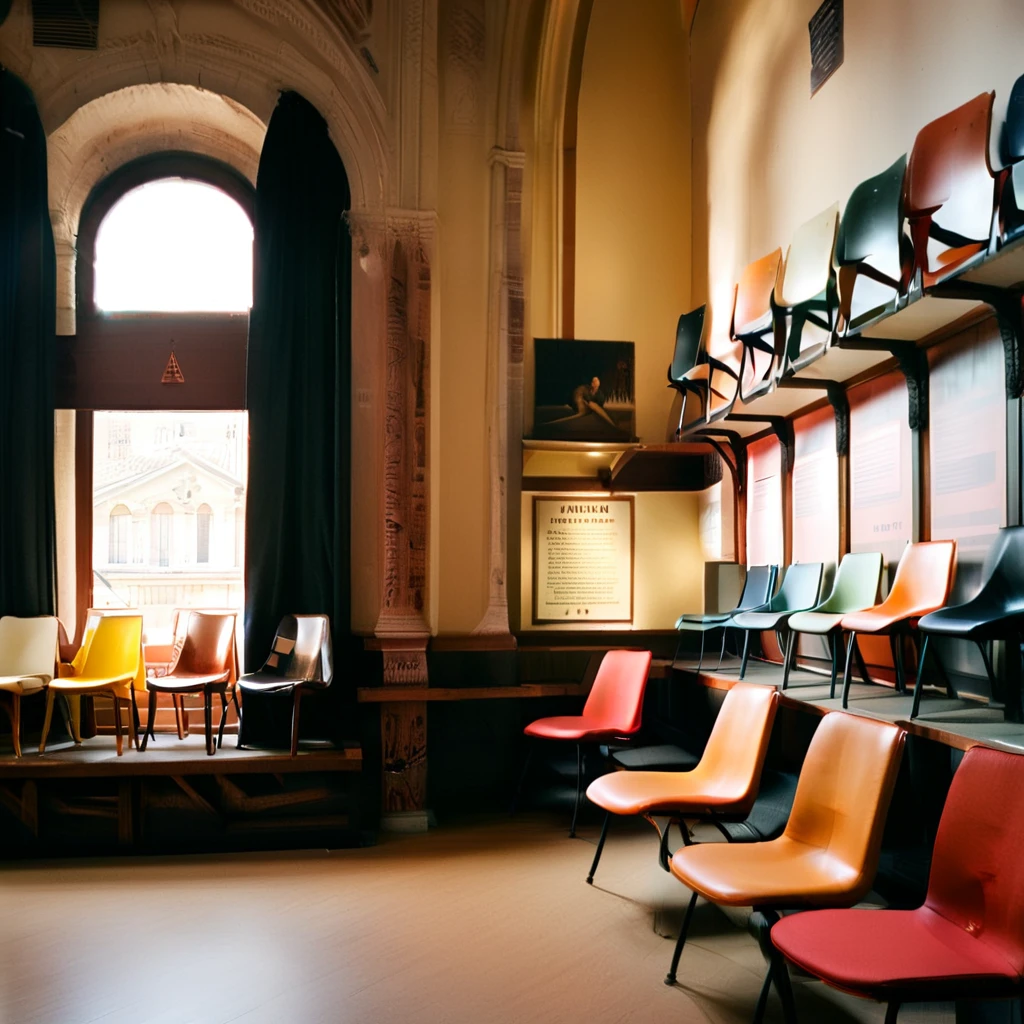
174 245
120 528
162 520
204 524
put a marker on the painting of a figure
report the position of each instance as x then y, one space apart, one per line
583 390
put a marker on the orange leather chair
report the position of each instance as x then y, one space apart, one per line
923 581
613 709
753 323
724 783
827 855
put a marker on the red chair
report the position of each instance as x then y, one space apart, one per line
966 941
612 711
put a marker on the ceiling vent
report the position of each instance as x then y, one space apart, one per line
72 24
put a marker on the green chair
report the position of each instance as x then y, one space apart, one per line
855 588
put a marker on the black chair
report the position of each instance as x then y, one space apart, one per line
1011 144
299 662
689 342
757 589
996 612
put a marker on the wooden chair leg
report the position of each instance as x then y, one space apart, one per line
178 715
295 720
150 720
16 723
50 695
117 726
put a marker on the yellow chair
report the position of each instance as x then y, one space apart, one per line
111 664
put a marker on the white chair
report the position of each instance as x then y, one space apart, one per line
28 654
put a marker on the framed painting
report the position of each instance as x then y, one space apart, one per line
584 390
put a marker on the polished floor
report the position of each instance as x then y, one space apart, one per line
481 922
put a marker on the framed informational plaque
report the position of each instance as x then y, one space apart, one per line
582 559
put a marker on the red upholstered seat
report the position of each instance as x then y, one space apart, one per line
966 941
613 707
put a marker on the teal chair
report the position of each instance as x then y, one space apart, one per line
856 588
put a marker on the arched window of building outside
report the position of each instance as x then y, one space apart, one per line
160 535
119 532
204 525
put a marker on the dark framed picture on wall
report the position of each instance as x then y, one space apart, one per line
584 390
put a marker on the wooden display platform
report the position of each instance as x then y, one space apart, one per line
960 723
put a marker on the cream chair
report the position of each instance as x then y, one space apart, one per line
28 653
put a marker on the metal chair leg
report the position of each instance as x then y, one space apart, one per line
296 700
916 707
670 978
896 647
892 1011
600 847
223 718
762 999
721 653
208 722
579 788
783 985
746 653
846 670
150 719
134 722
119 743
700 660
834 640
789 657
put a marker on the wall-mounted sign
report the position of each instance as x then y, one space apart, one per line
826 31
582 560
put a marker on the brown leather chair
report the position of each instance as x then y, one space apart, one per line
206 664
724 783
300 661
828 854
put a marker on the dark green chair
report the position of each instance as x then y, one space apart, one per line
873 256
689 345
855 588
996 612
799 592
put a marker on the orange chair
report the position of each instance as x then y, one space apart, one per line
951 192
923 581
753 323
612 711
724 783
828 854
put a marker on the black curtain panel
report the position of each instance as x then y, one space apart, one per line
298 388
28 300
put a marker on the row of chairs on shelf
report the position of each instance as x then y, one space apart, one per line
915 606
111 663
940 227
964 942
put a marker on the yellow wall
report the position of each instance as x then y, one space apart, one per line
633 191
766 156
668 566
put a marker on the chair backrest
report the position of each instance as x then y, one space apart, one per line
977 873
1003 569
752 310
689 339
800 588
209 644
302 649
1011 137
735 752
758 588
616 699
28 647
924 577
950 181
808 267
115 648
843 795
856 585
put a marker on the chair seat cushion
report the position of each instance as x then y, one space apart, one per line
568 727
881 619
664 757
973 619
685 624
86 684
692 792
759 620
879 952
267 682
779 873
182 682
815 622
21 684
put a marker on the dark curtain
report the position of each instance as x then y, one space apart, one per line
298 387
28 301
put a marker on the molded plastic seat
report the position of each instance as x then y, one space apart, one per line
111 666
806 293
996 612
951 190
874 258
799 592
754 323
613 708
725 781
205 664
690 342
300 661
717 376
28 654
965 942
1011 145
